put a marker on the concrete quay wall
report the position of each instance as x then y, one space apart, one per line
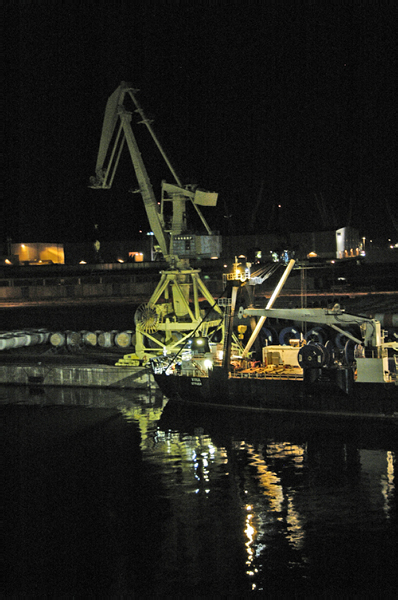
77 376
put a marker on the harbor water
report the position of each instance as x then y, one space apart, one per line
111 494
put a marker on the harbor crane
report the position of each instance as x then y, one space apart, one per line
173 312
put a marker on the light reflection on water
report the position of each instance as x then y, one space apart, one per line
209 503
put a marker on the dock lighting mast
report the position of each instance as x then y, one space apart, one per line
171 315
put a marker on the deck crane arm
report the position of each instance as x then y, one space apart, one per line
334 318
107 163
197 197
110 149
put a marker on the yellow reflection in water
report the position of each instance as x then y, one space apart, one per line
250 544
295 530
269 482
192 464
280 503
146 417
387 484
250 532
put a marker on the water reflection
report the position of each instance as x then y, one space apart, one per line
205 502
387 486
101 397
308 503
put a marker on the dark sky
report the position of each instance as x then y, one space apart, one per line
273 103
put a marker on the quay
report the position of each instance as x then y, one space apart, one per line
107 301
38 367
77 376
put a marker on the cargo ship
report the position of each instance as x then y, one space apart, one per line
300 376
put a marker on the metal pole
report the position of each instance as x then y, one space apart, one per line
146 122
270 303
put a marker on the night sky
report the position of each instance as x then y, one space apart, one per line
287 109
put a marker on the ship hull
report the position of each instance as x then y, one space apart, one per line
291 395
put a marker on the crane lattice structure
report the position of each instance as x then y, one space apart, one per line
173 312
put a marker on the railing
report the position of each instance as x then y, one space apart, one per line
241 375
267 375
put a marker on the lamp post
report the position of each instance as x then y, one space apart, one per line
151 234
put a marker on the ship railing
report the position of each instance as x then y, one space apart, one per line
268 375
191 373
253 375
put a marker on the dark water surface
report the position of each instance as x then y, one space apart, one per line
127 496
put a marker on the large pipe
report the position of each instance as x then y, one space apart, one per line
32 339
123 339
270 303
386 319
89 338
19 339
106 339
73 338
57 339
